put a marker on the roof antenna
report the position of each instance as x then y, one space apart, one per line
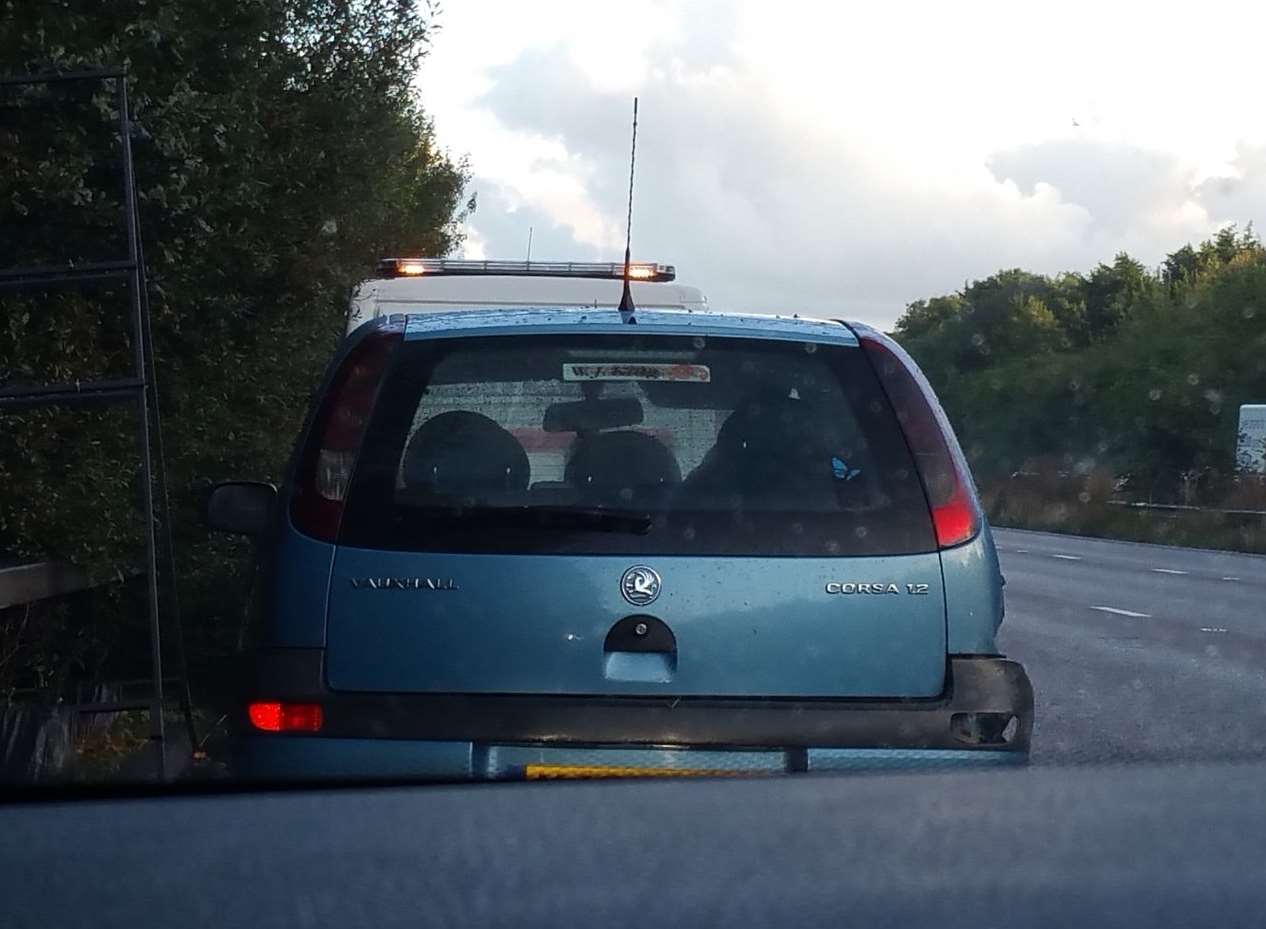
626 299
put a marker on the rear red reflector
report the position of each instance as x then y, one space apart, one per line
286 717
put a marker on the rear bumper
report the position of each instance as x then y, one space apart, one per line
271 759
487 735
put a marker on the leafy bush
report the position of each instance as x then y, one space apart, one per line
1131 374
279 150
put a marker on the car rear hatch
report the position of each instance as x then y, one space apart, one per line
644 513
721 626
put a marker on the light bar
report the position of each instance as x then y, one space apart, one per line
613 270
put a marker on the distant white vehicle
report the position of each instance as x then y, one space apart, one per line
1250 451
423 285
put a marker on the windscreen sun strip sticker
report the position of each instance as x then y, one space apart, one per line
637 371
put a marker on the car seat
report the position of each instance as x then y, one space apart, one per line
621 469
464 454
773 451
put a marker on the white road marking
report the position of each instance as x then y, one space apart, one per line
1168 571
1118 612
1021 551
1068 557
1230 578
1212 629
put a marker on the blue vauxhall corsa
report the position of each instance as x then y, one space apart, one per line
559 542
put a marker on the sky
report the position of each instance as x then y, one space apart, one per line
846 159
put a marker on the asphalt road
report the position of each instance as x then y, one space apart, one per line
1137 652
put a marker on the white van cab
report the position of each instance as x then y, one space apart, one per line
422 285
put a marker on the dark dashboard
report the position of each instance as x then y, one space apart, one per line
1140 846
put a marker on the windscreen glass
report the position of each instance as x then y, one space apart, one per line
636 444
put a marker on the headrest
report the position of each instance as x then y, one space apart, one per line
465 453
615 460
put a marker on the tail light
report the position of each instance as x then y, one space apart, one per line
286 717
325 468
942 468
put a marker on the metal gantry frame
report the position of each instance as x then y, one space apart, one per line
138 386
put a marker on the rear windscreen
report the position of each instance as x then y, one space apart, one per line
633 445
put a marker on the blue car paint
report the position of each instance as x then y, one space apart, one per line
907 759
281 758
973 595
743 625
643 667
296 590
580 321
973 591
973 577
295 593
537 624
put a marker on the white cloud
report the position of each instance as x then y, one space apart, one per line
847 158
1240 194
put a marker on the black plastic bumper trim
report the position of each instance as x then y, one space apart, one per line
974 684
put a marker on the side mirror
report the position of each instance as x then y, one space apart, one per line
242 507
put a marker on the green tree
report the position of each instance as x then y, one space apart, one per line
280 149
1121 371
1228 245
1181 266
1112 292
1009 314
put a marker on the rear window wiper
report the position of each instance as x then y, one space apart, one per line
544 517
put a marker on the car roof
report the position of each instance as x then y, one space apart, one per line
556 320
